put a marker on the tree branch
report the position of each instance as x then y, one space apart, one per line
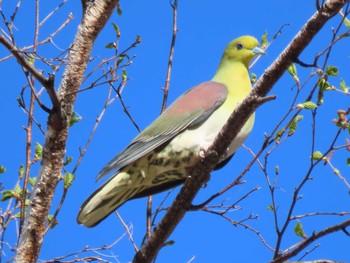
94 19
200 172
24 62
316 235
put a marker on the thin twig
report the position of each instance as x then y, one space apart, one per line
46 82
174 6
171 56
48 39
242 224
85 250
52 13
127 229
108 102
319 214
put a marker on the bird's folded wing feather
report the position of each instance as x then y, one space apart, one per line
192 108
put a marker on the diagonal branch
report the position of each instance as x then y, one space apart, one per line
316 235
48 83
200 172
24 62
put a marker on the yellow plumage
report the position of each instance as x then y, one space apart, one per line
160 157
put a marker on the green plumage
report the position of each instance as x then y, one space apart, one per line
161 156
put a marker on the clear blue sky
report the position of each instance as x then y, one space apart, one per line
205 27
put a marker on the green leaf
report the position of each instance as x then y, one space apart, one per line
110 45
68 179
31 58
343 86
325 85
32 181
253 78
7 194
20 102
332 71
169 243
346 22
292 70
124 76
38 151
21 170
119 10
264 42
279 135
320 97
68 160
138 39
294 125
74 119
54 221
299 231
18 190
270 208
348 161
2 169
120 60
317 156
309 105
277 169
17 215
116 29
344 35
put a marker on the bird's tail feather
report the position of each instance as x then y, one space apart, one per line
107 198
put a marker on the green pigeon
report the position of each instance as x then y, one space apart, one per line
161 156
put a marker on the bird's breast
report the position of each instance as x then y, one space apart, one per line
200 137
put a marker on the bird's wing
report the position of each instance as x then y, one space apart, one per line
192 108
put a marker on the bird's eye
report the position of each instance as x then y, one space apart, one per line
239 46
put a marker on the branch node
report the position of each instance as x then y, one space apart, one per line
262 100
346 231
50 87
305 65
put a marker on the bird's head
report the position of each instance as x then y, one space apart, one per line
243 49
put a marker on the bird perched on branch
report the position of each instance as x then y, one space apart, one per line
161 156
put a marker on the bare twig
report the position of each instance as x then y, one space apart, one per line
127 229
320 214
174 6
85 250
52 13
48 39
171 56
242 224
108 102
13 16
29 128
24 62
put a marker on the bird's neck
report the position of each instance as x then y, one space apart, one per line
234 75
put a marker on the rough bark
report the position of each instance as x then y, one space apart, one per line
95 15
200 172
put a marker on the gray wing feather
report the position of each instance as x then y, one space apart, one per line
145 143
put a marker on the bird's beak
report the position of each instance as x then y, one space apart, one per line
258 51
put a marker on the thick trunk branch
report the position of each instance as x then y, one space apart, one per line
94 19
200 172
